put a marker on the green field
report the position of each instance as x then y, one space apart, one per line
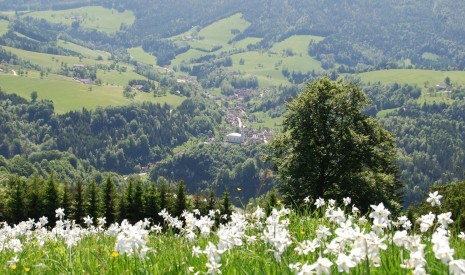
53 61
94 17
422 78
141 56
69 95
3 26
218 33
418 77
268 66
86 52
116 78
298 44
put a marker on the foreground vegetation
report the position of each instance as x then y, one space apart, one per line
323 237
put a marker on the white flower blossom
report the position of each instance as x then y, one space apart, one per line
434 198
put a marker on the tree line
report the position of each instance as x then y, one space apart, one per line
35 197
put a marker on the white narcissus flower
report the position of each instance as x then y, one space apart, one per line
401 238
213 268
346 201
60 213
426 221
457 267
307 199
88 221
434 198
344 263
307 246
321 266
444 219
322 232
319 202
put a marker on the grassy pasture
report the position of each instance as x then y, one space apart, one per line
268 66
52 61
218 33
3 26
142 56
69 95
298 43
93 17
420 78
116 78
86 52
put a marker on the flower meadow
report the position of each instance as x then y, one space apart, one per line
325 237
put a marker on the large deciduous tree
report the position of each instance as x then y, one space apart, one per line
330 149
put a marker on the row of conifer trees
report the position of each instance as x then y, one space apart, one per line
134 200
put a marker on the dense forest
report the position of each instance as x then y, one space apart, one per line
119 139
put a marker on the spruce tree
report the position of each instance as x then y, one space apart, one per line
151 208
226 206
51 199
92 200
137 206
180 203
34 197
109 201
77 207
66 200
16 200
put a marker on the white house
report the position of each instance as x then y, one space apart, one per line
235 138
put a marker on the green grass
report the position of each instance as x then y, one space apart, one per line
268 66
69 95
52 61
417 77
141 56
272 123
117 78
218 33
86 52
384 113
3 26
298 43
93 17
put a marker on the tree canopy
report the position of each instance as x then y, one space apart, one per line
329 148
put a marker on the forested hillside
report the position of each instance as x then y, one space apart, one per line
360 34
119 139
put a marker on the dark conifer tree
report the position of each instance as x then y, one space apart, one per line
51 199
77 207
34 197
164 196
92 200
226 206
180 203
66 200
151 208
109 201
137 206
211 203
16 204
